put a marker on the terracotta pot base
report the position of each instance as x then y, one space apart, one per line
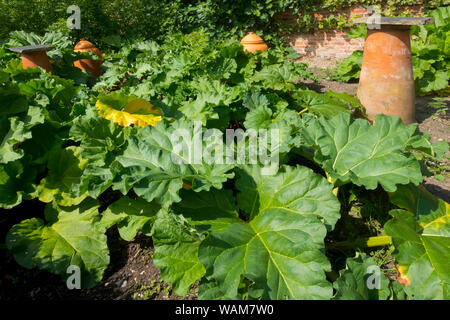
36 59
35 56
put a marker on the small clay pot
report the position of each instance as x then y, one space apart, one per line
36 59
253 43
93 66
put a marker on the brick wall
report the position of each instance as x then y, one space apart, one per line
331 44
334 43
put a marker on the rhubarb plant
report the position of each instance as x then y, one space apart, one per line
115 155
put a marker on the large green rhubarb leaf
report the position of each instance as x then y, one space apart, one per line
209 290
16 183
176 243
16 130
362 280
62 184
280 248
349 69
276 77
259 117
130 216
293 189
159 159
364 154
71 238
212 210
176 251
320 104
215 212
255 99
209 95
421 142
427 208
98 136
10 99
12 129
280 251
101 141
284 123
422 241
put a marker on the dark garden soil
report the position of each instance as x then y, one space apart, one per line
131 273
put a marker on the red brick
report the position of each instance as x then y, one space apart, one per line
333 43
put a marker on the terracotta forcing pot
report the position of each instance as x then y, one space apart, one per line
253 43
93 66
35 56
36 59
387 82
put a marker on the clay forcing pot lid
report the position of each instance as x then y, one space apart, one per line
84 44
252 38
34 48
397 21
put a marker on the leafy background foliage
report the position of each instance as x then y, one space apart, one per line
130 18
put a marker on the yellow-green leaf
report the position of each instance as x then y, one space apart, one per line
127 111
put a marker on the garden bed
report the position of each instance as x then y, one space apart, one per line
131 274
191 166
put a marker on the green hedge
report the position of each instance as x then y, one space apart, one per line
156 18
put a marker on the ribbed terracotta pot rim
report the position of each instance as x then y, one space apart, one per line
252 38
84 44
